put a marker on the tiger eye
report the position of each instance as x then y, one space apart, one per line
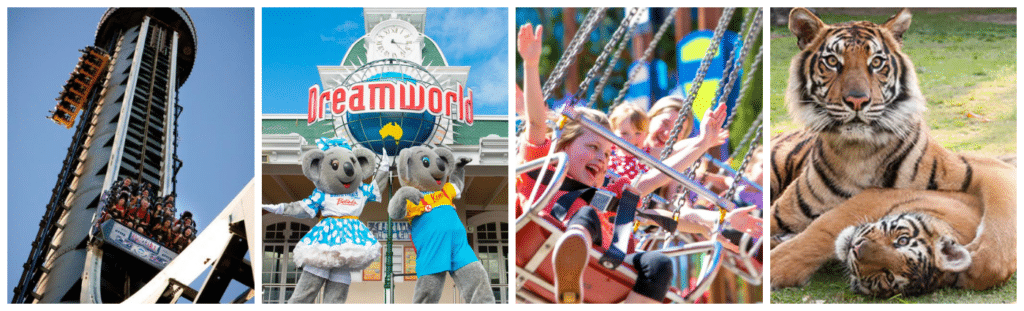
831 61
876 62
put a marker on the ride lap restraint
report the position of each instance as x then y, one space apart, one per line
623 224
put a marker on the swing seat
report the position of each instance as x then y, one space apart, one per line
535 242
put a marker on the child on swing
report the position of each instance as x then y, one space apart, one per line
588 162
586 168
629 122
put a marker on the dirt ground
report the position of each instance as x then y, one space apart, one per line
1002 18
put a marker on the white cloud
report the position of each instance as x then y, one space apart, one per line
344 34
463 32
347 26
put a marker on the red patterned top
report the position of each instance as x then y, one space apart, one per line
627 165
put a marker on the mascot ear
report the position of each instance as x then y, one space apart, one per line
311 164
448 156
403 164
365 158
951 256
805 25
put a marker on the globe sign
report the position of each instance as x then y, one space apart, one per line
391 131
361 115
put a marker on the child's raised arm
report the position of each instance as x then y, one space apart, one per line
689 150
529 46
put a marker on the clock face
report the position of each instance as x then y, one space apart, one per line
394 42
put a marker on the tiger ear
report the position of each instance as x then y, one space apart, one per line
951 256
805 25
898 24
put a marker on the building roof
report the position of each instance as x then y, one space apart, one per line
483 126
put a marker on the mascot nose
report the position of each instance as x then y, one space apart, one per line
349 170
440 166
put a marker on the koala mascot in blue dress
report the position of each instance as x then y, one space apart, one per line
431 179
339 243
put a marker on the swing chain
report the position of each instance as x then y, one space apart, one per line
730 71
734 63
748 43
754 126
705 63
750 131
746 83
568 57
608 70
732 67
646 57
574 47
743 166
617 36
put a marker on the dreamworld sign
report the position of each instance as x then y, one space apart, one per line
391 96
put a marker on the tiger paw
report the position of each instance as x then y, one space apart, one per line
990 265
790 268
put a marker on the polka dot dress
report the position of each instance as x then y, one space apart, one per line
339 240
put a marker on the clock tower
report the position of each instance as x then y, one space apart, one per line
393 34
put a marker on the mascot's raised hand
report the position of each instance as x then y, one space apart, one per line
431 180
339 244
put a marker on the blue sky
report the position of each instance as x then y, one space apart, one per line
216 126
296 40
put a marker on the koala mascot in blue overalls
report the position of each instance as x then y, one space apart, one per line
431 179
339 244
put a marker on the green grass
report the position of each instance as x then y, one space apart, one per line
967 71
830 285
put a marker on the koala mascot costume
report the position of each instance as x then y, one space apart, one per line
339 243
431 179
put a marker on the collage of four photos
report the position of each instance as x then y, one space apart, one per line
511 155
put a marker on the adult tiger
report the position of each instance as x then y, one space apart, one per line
857 96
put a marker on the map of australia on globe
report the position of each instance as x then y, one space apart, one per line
391 130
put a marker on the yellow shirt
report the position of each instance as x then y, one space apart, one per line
431 200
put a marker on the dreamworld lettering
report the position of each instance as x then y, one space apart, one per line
388 96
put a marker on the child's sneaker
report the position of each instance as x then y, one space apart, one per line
570 258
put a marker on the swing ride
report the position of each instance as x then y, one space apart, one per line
733 243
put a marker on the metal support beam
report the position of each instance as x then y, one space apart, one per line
175 289
230 266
